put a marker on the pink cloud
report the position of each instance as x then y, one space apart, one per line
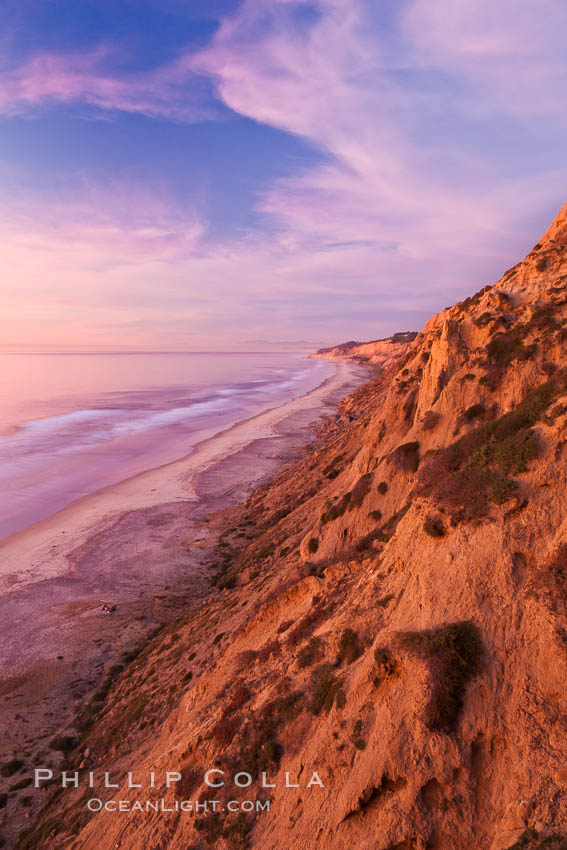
333 84
82 78
94 271
512 53
385 219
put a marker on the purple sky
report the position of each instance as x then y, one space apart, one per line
194 174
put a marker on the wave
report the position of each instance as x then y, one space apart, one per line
79 430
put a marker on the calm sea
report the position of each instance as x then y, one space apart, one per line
72 423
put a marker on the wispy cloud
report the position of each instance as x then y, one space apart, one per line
511 53
90 272
417 199
368 94
173 91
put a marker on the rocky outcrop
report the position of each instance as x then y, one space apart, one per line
389 614
379 352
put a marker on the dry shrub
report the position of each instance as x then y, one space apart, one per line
533 840
259 743
318 613
240 697
475 411
430 420
466 493
406 456
453 654
272 647
310 653
360 491
325 689
474 471
335 511
550 581
349 647
191 779
364 544
246 658
225 729
387 665
434 526
503 348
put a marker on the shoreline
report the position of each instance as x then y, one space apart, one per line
145 545
169 481
82 449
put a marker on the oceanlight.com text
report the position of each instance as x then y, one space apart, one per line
196 807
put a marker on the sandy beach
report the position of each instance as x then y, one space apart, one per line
144 545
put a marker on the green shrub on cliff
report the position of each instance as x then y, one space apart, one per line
475 470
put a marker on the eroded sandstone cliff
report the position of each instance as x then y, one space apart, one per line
380 352
390 612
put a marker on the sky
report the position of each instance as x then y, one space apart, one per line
237 173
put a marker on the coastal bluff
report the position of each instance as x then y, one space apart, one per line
389 612
379 352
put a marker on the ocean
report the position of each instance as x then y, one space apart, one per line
71 423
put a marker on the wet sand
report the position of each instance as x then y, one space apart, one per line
145 545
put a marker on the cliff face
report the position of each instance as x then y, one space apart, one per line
390 612
380 352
